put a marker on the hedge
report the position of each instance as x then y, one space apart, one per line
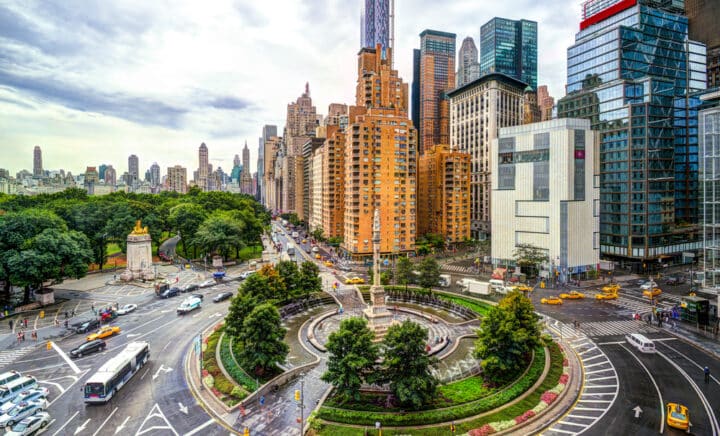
441 415
222 387
232 367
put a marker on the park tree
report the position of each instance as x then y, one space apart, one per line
529 257
403 271
509 333
186 218
406 365
318 234
219 233
290 275
429 273
240 307
276 284
264 347
309 281
352 357
259 287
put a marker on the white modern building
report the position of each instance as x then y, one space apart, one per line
544 194
709 175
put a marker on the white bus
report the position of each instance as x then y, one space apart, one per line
113 375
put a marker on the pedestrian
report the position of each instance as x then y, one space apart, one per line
25 322
660 321
66 315
66 323
34 335
22 335
57 322
73 313
706 370
11 324
674 326
92 307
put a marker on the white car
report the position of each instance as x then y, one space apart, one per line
246 274
21 411
126 309
30 425
315 249
208 282
648 285
24 397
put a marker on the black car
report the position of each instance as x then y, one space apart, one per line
87 348
190 288
172 292
200 296
222 296
86 326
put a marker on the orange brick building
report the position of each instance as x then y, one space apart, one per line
380 160
444 193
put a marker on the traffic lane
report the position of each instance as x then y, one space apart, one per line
585 310
692 361
676 387
635 389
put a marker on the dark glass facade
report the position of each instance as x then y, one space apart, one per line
510 47
375 24
631 75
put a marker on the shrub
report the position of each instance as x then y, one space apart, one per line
524 417
238 392
209 381
564 379
548 397
482 431
224 385
232 367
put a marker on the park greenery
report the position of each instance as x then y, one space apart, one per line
49 237
530 257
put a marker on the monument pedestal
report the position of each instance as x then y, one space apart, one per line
139 256
379 317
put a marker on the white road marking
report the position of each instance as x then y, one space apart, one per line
155 412
657 389
122 426
691 361
84 373
161 369
105 422
66 423
82 427
144 374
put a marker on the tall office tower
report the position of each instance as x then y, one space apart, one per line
477 111
4 173
704 22
110 176
300 125
510 47
246 178
709 160
468 65
437 76
236 161
101 171
380 160
203 168
37 162
154 175
177 179
273 177
267 132
332 205
640 103
444 193
133 170
91 176
246 158
545 102
309 176
375 23
415 90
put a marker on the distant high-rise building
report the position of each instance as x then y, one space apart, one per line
133 170
110 176
437 76
203 168
415 91
246 159
37 163
246 183
468 65
101 171
177 179
267 132
91 179
236 161
300 125
709 169
704 23
510 47
375 24
545 102
4 173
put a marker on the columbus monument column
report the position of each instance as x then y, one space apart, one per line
378 316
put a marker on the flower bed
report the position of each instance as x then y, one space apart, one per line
231 366
213 378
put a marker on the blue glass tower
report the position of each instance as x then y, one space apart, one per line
375 24
631 71
510 47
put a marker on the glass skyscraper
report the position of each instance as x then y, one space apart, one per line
375 24
510 47
631 71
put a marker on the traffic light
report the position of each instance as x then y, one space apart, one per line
297 394
49 345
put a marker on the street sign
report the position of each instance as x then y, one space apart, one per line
688 254
262 400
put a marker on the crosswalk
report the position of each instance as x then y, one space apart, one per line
633 304
9 356
460 269
613 328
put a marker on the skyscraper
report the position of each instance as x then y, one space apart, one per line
640 103
110 176
101 171
704 22
133 170
203 167
300 125
510 47
236 161
37 162
545 102
415 91
154 175
267 132
246 159
375 24
468 66
177 179
437 76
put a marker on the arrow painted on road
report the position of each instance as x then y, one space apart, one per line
82 427
161 369
637 411
215 315
122 426
166 311
183 409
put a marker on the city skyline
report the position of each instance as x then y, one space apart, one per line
171 92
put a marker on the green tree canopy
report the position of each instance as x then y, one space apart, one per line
186 219
429 273
290 275
241 306
264 347
352 357
278 289
403 271
309 278
259 287
220 233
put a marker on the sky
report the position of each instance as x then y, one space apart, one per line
93 82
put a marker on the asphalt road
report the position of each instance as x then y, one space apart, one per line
157 399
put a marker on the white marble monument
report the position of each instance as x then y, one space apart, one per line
139 255
378 316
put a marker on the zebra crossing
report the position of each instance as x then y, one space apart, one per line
9 356
636 305
614 328
460 269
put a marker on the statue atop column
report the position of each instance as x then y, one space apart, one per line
139 255
378 316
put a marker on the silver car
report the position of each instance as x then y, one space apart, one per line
30 425
21 411
24 397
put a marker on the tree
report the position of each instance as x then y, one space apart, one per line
259 287
403 271
406 365
436 241
318 234
508 334
352 357
309 281
276 284
264 347
429 273
240 307
186 219
219 233
290 275
529 257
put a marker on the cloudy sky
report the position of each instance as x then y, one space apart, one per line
92 82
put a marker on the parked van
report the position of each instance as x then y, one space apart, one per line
12 389
9 376
640 342
497 285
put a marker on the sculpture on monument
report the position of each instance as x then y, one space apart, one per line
139 255
378 316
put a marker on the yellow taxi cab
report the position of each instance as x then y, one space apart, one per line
355 281
317 256
572 295
652 293
678 416
611 296
304 241
611 289
551 300
523 288
104 332
329 263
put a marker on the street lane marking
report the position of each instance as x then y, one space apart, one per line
595 364
66 423
691 361
657 389
199 428
105 422
144 374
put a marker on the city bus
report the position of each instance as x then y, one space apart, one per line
113 375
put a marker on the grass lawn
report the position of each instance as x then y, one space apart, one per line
253 252
112 248
481 309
